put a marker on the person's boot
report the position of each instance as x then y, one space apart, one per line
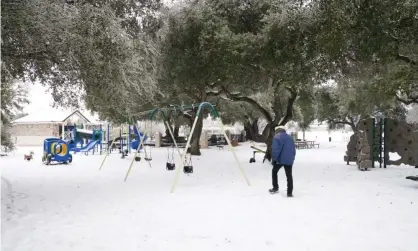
274 190
289 195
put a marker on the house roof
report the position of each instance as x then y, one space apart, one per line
53 116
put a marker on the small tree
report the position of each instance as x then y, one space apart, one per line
13 97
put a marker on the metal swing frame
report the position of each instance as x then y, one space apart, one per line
183 154
216 116
154 112
135 157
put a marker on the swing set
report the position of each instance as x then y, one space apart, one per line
185 156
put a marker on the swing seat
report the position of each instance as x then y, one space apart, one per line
124 153
148 159
137 158
170 166
188 169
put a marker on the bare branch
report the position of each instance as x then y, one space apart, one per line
408 101
238 97
406 59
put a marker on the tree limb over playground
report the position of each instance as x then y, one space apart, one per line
260 60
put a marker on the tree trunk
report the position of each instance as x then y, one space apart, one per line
176 131
189 119
168 135
303 134
251 129
268 133
353 127
194 145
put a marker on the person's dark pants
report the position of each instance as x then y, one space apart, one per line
288 170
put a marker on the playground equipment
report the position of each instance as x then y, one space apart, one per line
56 150
256 150
376 138
186 164
29 156
216 116
137 144
93 137
170 165
185 157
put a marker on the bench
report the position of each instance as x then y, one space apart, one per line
220 147
306 144
301 145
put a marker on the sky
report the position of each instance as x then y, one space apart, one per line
39 97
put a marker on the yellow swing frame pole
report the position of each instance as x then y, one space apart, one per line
175 142
107 153
176 179
135 154
188 143
143 147
234 153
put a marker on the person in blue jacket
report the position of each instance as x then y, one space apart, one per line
283 155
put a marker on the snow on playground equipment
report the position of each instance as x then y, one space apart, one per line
29 156
170 164
136 144
130 139
93 137
186 164
216 116
147 148
376 138
256 150
123 139
56 150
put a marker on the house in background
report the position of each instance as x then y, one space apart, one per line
32 129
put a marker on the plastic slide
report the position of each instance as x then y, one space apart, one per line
136 143
86 148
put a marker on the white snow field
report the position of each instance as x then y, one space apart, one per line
77 207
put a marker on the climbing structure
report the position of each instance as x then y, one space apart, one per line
376 138
401 138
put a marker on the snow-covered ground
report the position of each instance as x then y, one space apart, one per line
77 207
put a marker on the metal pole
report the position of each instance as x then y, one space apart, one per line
175 142
129 139
107 153
380 141
372 150
136 153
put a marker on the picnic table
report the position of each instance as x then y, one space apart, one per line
306 144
